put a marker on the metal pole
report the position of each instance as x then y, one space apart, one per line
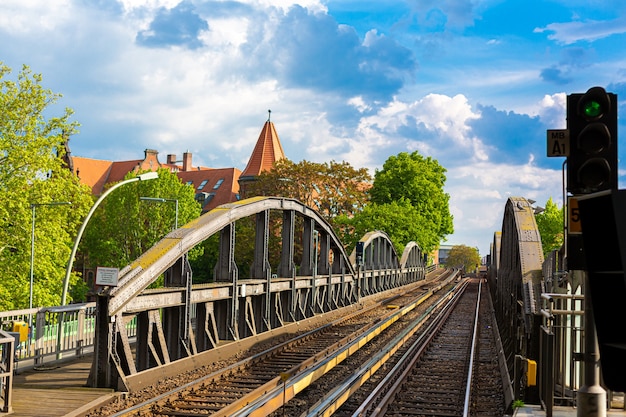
32 262
591 397
142 177
68 271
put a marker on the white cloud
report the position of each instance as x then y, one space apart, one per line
589 30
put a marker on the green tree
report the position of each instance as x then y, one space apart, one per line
333 188
462 256
550 225
420 181
399 219
32 171
124 227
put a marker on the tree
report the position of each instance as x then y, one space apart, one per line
550 225
124 226
32 171
399 219
462 256
419 181
333 188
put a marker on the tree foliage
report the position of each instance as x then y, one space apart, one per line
418 181
465 257
124 226
32 171
333 188
550 225
398 219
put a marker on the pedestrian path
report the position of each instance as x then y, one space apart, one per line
56 390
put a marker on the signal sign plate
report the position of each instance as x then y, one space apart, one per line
573 224
558 141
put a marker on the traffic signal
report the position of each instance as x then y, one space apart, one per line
592 126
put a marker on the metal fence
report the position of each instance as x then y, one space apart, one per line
564 338
46 334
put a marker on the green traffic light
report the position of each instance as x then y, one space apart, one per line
592 109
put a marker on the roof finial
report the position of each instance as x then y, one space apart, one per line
269 114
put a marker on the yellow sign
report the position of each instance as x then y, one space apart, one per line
573 225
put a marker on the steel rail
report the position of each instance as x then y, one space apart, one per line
178 391
470 370
335 399
379 399
278 391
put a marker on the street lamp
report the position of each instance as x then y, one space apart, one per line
141 177
165 200
33 206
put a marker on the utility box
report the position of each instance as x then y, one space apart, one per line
21 327
531 373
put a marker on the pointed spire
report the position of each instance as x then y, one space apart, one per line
268 150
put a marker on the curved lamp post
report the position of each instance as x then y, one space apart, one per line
165 200
142 177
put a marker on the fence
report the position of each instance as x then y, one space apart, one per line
46 334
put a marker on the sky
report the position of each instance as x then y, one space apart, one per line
474 84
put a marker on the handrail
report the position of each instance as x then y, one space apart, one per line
7 359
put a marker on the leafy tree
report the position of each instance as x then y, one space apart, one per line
399 219
32 171
124 226
332 188
462 256
550 225
419 181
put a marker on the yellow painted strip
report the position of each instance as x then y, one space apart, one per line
155 253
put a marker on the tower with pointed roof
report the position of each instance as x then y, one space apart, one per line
266 152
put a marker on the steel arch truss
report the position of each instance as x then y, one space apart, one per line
313 275
381 269
516 282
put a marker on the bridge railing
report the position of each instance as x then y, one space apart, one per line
38 337
7 359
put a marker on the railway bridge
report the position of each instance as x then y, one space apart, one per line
298 269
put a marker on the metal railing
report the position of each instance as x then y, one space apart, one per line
563 340
7 360
39 339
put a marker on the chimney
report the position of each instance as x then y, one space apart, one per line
171 159
187 161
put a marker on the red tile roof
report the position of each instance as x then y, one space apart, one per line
213 186
267 151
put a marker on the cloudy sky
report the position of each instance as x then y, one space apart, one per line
474 84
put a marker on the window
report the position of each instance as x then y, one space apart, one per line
218 183
202 184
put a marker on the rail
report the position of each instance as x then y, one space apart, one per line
468 390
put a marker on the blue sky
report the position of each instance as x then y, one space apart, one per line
473 84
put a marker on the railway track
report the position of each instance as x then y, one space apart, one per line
292 366
452 372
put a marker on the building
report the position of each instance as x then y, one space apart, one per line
213 186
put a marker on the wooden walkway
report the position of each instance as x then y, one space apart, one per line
55 391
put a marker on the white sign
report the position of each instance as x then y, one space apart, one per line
107 276
558 140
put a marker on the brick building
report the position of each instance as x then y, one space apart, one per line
213 186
